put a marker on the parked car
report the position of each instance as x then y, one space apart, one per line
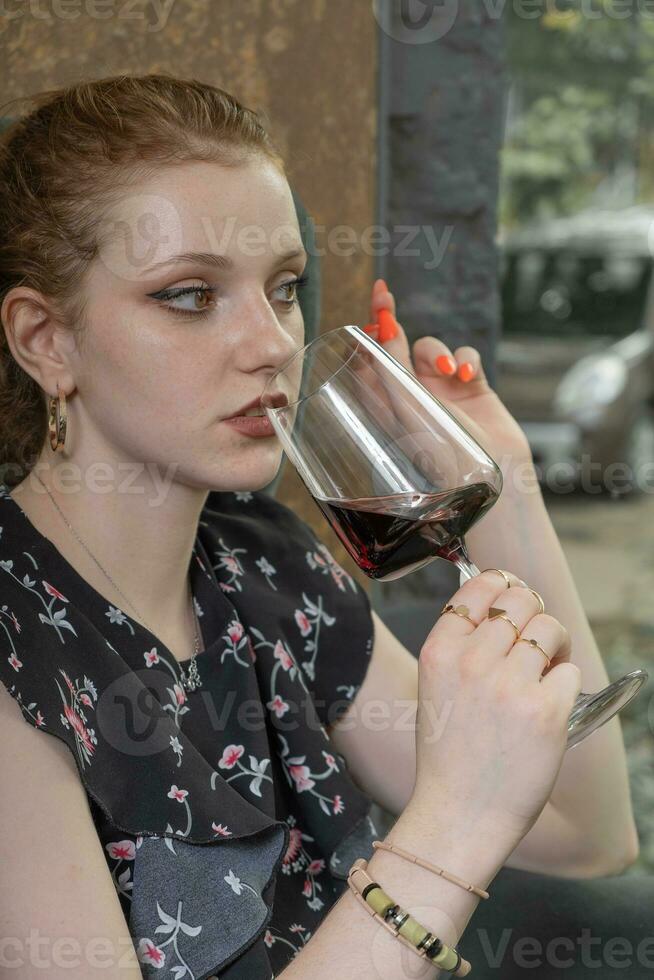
576 360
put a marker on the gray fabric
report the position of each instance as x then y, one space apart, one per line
358 844
182 890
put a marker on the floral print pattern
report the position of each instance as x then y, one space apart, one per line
73 716
324 561
309 620
287 632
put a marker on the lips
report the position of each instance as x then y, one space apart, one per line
275 400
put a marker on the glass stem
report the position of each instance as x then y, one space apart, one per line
461 559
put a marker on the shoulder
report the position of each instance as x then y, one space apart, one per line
24 747
54 873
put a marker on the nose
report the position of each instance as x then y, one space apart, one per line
268 339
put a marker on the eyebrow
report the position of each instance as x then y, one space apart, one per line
219 261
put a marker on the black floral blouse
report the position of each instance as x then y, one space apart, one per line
227 819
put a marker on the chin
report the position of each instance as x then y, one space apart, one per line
250 474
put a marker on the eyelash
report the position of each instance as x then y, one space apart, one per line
168 294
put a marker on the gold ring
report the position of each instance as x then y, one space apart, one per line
501 614
540 600
500 572
461 611
537 646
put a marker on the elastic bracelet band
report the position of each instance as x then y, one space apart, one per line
402 924
394 849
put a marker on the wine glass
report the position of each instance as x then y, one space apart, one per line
397 476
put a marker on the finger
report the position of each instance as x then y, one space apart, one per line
509 579
476 596
469 366
389 334
565 683
506 620
382 299
433 356
551 636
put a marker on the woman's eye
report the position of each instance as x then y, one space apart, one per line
198 300
187 300
294 285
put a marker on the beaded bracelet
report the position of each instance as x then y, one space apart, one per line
402 924
394 849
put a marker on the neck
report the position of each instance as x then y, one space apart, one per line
142 537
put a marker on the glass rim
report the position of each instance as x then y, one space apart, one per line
301 351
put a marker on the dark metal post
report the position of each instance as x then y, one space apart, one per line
441 94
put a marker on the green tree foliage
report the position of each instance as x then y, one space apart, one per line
581 108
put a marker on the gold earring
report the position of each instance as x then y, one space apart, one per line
57 420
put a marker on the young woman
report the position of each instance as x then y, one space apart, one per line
208 670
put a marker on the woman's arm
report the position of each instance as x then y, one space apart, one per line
592 790
350 943
478 790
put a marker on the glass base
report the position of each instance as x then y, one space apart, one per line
593 710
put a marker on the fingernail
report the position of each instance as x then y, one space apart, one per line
445 364
388 326
466 372
371 328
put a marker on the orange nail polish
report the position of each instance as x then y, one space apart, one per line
446 364
388 326
466 372
371 328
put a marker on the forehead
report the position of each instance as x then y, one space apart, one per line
251 193
243 212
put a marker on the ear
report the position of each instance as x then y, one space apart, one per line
37 339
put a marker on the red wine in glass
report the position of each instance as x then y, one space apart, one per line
392 535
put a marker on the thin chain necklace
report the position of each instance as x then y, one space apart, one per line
189 682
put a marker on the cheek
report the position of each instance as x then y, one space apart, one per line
173 366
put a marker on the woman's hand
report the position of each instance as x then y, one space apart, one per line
492 715
457 379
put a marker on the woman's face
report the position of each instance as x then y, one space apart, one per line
175 345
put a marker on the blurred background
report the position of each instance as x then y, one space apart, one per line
493 160
575 362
